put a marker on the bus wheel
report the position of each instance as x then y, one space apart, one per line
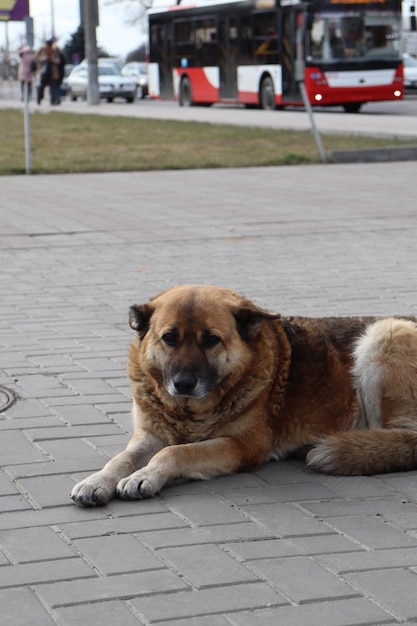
352 107
267 94
186 96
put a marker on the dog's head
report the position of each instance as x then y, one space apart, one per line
194 339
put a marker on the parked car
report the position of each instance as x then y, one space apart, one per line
106 61
410 72
111 83
139 71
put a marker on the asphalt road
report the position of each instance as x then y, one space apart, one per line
397 118
385 119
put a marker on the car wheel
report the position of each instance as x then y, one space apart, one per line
109 99
186 94
71 96
130 99
267 94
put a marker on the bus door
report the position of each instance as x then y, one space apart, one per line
290 88
228 54
162 39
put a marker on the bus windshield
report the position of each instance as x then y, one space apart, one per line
354 36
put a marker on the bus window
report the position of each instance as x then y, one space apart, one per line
334 37
265 37
184 44
245 40
206 42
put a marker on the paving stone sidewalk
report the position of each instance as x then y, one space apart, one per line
279 546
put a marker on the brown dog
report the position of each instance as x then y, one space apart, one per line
221 386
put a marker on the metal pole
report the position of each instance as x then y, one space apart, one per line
312 122
27 127
52 19
7 56
299 76
90 23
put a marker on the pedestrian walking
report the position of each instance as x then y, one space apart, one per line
49 61
25 70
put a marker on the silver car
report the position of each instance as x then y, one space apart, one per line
138 71
111 83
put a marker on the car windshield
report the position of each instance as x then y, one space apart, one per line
107 71
356 36
137 68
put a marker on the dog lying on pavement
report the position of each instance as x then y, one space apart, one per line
221 386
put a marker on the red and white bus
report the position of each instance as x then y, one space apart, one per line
256 52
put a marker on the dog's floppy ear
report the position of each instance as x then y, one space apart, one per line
248 321
139 316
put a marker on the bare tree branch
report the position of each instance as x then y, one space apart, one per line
135 11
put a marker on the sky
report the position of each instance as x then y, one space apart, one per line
114 34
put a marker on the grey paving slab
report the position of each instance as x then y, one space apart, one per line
16 448
343 613
45 572
218 534
201 565
97 614
34 544
396 594
21 606
369 560
285 574
117 554
123 586
199 603
154 518
372 532
280 545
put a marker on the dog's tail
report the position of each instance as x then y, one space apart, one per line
365 452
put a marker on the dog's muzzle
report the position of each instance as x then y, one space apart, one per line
186 383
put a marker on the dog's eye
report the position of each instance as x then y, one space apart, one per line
209 341
170 339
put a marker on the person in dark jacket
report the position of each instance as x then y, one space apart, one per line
50 68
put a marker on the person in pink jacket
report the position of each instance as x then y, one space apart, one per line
25 70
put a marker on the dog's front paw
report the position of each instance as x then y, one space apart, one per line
95 490
139 485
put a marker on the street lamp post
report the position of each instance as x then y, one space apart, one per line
90 14
52 19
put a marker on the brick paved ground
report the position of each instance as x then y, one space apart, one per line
279 546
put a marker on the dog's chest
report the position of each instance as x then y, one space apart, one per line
185 427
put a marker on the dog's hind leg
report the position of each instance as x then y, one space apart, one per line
365 452
385 374
385 378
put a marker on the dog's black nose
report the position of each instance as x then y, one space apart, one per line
185 383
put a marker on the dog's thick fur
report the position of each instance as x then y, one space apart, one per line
221 386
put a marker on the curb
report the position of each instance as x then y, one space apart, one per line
375 155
